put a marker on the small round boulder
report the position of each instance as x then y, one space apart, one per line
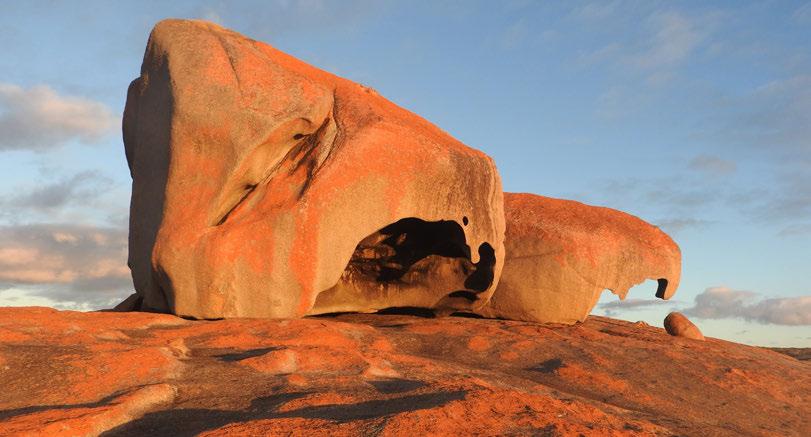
677 325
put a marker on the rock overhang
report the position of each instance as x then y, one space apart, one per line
259 176
562 254
265 187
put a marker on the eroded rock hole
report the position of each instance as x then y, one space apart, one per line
661 288
409 311
483 276
395 249
429 261
464 294
467 315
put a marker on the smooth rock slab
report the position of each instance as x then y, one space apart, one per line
365 374
89 419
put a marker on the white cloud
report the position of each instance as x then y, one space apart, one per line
81 188
632 303
38 118
724 302
676 225
796 230
782 311
621 101
677 194
615 308
65 262
774 123
666 38
681 201
712 165
515 34
674 37
212 15
774 118
269 19
16 297
596 11
803 14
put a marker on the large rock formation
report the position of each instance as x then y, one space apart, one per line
264 187
135 374
562 254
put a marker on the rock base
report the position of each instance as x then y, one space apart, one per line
356 374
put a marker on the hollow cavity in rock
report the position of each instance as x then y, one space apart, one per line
411 263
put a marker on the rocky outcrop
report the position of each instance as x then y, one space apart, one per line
69 373
562 254
264 187
676 324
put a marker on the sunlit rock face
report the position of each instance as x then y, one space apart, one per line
678 325
562 254
264 187
68 373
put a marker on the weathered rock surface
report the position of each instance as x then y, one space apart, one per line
264 187
678 325
71 373
562 254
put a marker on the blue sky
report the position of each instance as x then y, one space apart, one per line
695 116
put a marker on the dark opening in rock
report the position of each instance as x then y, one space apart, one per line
467 315
661 288
413 263
464 294
412 250
408 311
390 253
483 276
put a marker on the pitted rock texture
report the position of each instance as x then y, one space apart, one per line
264 187
369 374
562 254
678 325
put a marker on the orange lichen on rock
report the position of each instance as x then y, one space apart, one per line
282 361
264 187
435 377
478 343
562 254
91 419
